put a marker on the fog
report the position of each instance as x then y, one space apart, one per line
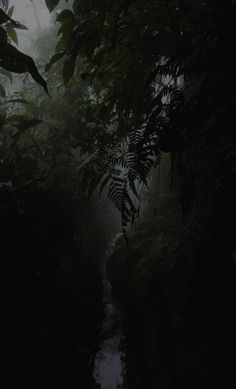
23 10
27 12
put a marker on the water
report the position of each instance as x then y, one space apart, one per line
109 365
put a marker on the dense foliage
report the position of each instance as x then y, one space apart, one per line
129 80
140 77
157 71
51 291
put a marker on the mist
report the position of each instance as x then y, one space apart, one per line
117 199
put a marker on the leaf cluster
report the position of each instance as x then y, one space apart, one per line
154 69
11 59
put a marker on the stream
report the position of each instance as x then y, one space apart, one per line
109 364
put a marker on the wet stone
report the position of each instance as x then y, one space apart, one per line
109 365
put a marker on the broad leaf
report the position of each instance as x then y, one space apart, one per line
2 91
51 4
12 34
65 14
15 61
10 11
23 122
68 68
55 58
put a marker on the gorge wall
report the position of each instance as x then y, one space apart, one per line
176 281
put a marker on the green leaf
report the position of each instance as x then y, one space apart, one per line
3 35
54 123
28 123
66 27
68 68
3 115
23 122
65 14
12 34
16 118
4 18
10 11
51 4
15 61
2 91
55 58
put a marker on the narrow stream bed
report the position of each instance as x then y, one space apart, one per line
109 365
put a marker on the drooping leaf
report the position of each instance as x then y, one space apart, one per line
53 123
12 34
55 58
51 4
18 25
23 122
28 123
68 68
3 35
65 14
5 18
2 91
2 117
10 11
15 61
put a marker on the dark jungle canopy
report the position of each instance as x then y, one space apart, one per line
119 87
